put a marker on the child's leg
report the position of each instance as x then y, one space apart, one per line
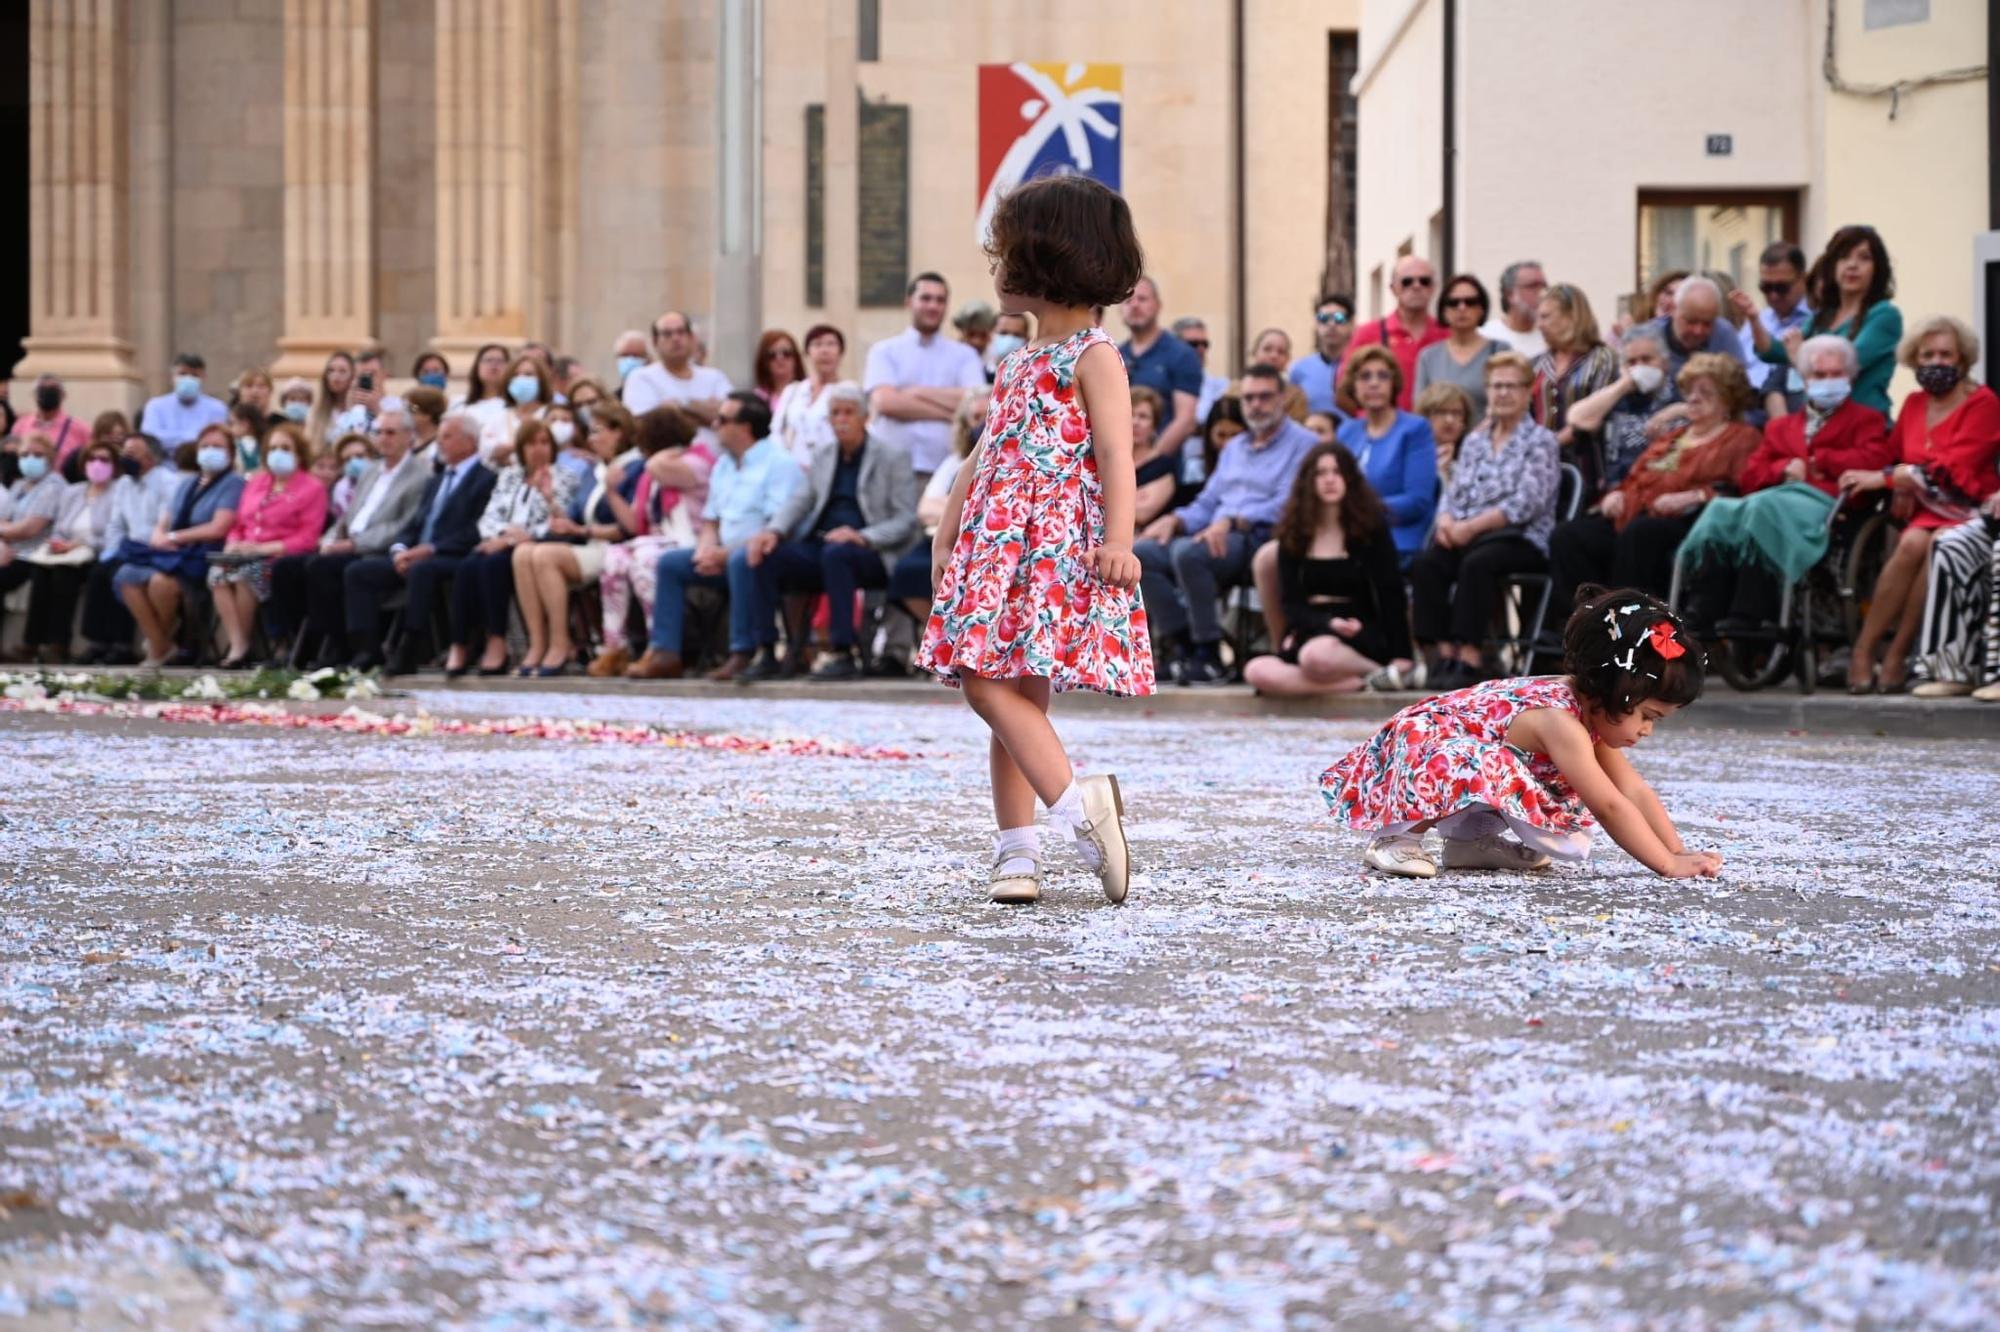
1016 711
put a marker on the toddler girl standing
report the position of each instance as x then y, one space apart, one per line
1541 756
1035 581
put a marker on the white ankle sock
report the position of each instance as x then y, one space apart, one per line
1067 814
1017 849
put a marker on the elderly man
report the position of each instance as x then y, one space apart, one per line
916 380
858 513
176 418
1521 286
1213 538
1696 325
628 355
1160 361
676 377
312 587
1410 328
441 530
1317 373
750 483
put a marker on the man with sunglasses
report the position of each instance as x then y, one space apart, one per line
1410 327
1781 276
1319 371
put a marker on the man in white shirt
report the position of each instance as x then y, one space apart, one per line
1521 286
916 380
675 377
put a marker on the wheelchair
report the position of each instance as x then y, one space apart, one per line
1820 614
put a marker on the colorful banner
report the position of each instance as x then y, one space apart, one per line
1037 118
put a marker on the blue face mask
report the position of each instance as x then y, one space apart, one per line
187 387
630 365
282 463
1827 394
431 379
1005 343
354 467
212 458
297 411
246 450
34 467
524 389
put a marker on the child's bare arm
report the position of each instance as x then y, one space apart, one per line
953 515
1640 792
1569 747
1107 401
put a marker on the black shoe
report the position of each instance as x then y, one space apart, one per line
1454 675
95 655
837 665
765 666
122 656
365 662
1202 669
456 672
332 659
889 666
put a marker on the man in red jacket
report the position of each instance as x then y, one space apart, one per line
1409 328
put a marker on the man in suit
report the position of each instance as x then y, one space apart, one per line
858 513
439 533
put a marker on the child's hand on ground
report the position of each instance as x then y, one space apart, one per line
1694 864
1118 566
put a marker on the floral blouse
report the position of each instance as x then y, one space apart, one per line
1520 480
515 503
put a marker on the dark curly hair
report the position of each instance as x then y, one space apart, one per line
1611 652
1068 240
1362 518
1823 286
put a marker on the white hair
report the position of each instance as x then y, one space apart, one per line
1829 342
394 406
630 333
1696 282
847 391
1639 333
460 420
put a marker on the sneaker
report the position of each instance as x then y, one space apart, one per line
1942 689
1400 853
1202 670
1394 679
1103 827
1491 852
1015 889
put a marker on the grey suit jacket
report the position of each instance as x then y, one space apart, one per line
887 494
397 506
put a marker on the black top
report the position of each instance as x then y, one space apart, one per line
1365 584
843 498
1154 468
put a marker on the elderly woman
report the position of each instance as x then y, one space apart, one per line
1743 552
1394 447
1451 412
1576 365
59 567
1621 412
153 578
526 497
1494 521
1947 438
282 512
1463 306
28 508
1630 538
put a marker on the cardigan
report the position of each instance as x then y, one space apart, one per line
1850 438
1669 466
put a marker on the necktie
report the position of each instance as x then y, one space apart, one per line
437 506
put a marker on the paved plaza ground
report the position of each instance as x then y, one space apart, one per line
306 1029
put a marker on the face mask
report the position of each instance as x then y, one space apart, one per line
1827 394
282 463
246 449
524 389
354 467
1937 380
48 397
98 471
562 432
431 379
187 388
630 365
1005 343
297 412
1647 378
213 458
34 467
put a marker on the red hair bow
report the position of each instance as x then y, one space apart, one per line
1663 641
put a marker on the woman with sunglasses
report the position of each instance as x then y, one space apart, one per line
1461 358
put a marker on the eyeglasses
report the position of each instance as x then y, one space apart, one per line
1506 386
1374 377
1267 395
1774 288
1462 302
1199 344
1408 282
785 352
1332 316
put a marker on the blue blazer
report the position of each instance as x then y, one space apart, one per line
458 526
1402 466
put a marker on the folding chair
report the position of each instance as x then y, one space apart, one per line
1517 650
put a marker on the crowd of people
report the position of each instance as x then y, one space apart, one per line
1378 491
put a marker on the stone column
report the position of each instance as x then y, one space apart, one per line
842 208
492 62
80 294
329 174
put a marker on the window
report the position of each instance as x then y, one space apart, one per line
1343 58
1719 230
867 30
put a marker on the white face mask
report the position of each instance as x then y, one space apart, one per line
1647 378
562 432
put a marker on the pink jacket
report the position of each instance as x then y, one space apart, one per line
295 515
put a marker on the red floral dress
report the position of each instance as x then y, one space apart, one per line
1020 596
1447 759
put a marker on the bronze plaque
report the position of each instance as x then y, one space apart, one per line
815 206
884 197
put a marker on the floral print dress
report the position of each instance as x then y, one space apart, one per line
1447 760
1020 596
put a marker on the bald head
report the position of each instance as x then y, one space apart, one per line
1415 281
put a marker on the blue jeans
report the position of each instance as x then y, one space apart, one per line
674 575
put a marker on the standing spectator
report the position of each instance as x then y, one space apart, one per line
530 396
1408 329
1621 413
62 566
1697 325
629 356
254 387
1393 447
1781 276
282 512
1010 334
327 421
677 377
431 370
176 418
1163 363
63 430
974 324
1273 347
857 513
295 401
1318 373
437 537
247 427
137 500
485 398
1849 289
527 494
1517 322
1461 358
779 365
1576 365
371 379
1191 330
154 579
798 418
1190 555
914 381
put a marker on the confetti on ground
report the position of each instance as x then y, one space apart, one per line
301 1029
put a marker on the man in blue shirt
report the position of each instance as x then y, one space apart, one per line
1163 363
1190 555
1318 373
750 483
177 417
1781 276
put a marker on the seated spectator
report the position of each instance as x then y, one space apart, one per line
137 500
438 536
178 417
254 390
157 574
1494 521
1947 438
112 427
1961 633
1849 287
974 323
798 418
1622 413
329 418
856 514
910 580
1394 447
1337 577
1576 365
1273 347
778 365
1220 424
1631 537
753 479
1190 555
529 397
629 356
295 402
431 370
585 393
1450 412
426 407
29 507
349 459
282 512
1325 428
1158 470
529 493
248 426
1461 358
673 487
1742 553
59 567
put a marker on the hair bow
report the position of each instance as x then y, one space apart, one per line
1662 641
